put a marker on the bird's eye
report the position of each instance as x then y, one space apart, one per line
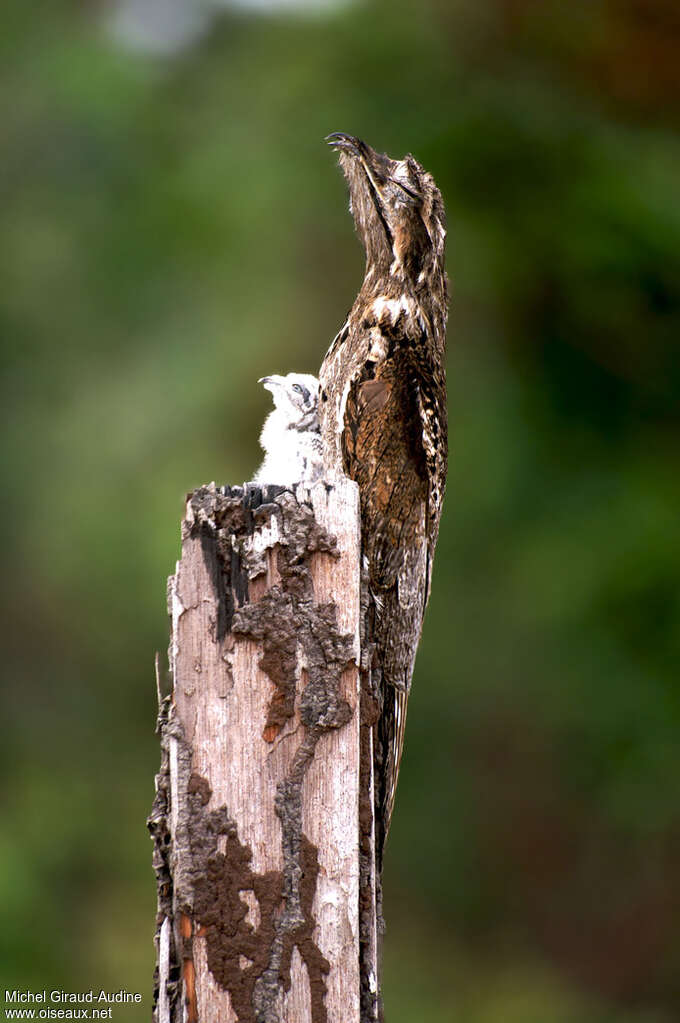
411 196
296 387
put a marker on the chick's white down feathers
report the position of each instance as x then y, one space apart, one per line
290 437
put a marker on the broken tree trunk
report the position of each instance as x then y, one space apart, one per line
262 822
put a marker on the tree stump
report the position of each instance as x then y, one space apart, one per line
262 821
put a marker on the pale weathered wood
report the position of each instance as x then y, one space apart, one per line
258 847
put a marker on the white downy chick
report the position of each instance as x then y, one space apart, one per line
291 438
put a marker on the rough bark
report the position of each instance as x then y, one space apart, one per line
262 823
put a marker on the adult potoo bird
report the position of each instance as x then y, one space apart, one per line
383 410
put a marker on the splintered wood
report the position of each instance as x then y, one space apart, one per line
256 818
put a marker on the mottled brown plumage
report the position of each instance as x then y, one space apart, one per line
383 409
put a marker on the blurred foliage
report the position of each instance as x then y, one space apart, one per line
173 229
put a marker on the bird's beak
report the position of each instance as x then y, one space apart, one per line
271 382
340 140
371 162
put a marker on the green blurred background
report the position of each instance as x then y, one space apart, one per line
172 229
